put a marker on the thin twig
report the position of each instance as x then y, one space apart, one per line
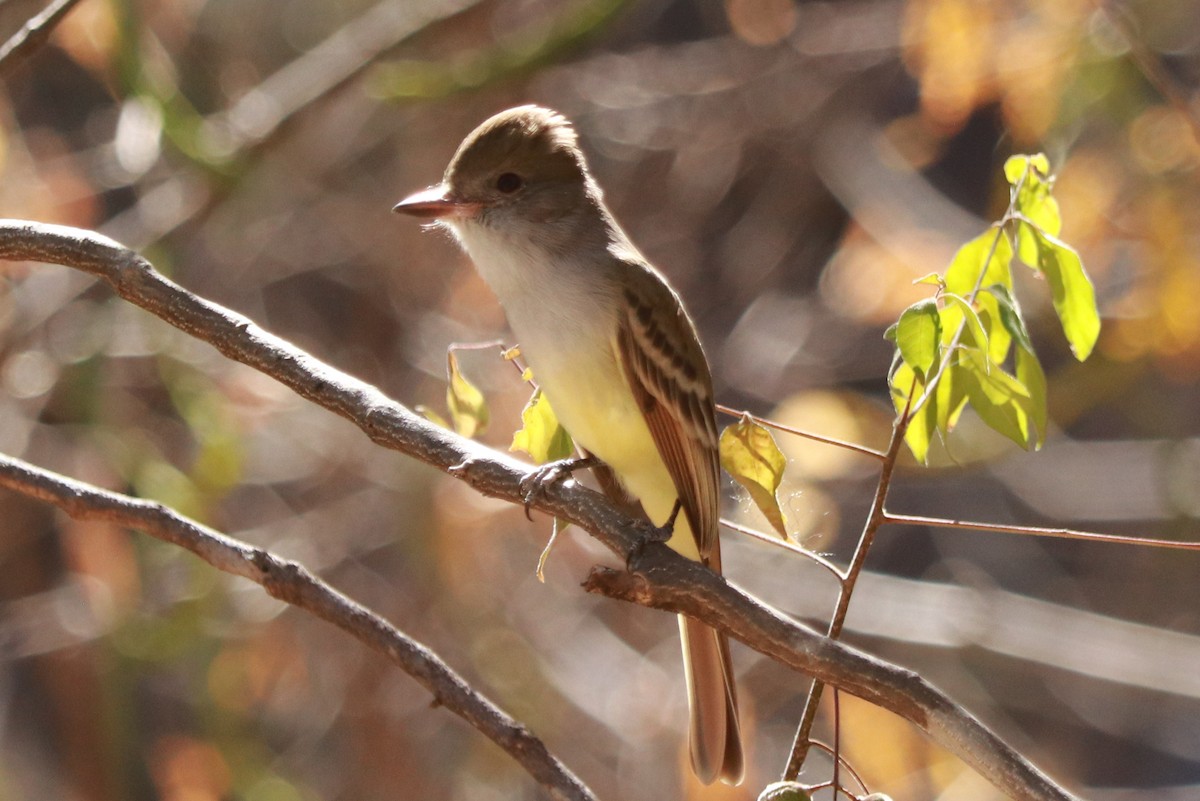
838 443
875 519
294 584
779 542
1039 531
660 578
32 35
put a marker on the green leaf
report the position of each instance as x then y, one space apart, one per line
932 278
922 424
951 396
972 259
750 455
918 335
998 336
1033 201
1015 167
1010 315
974 330
1071 290
468 409
1030 373
1001 401
541 436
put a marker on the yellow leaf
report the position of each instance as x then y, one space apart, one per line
750 455
468 409
541 436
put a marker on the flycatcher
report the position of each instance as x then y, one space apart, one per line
613 350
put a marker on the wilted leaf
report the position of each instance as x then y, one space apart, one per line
541 436
918 335
468 409
750 455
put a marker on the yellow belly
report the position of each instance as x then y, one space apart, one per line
595 405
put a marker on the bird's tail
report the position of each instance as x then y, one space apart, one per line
714 737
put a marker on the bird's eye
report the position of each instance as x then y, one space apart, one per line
509 182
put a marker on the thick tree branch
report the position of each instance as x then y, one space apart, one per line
662 578
294 584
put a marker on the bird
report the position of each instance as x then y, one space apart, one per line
614 352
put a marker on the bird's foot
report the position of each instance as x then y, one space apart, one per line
648 533
536 481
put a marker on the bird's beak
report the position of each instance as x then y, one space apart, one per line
436 203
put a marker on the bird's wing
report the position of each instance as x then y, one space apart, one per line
669 375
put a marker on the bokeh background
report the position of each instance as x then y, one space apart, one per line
792 166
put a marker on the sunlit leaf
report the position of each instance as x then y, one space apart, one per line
432 416
1001 401
1033 202
1030 373
923 423
974 327
750 455
1010 315
990 250
468 409
932 278
951 396
1071 290
998 336
541 436
1015 166
918 335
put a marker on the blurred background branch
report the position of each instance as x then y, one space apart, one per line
32 35
292 583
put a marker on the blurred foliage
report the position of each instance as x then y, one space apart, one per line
794 167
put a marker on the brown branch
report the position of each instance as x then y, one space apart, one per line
1039 531
32 35
664 579
876 517
294 584
837 443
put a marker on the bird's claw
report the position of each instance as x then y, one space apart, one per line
650 533
537 480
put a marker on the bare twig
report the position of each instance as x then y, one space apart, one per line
1039 531
294 584
662 578
33 34
837 443
875 518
